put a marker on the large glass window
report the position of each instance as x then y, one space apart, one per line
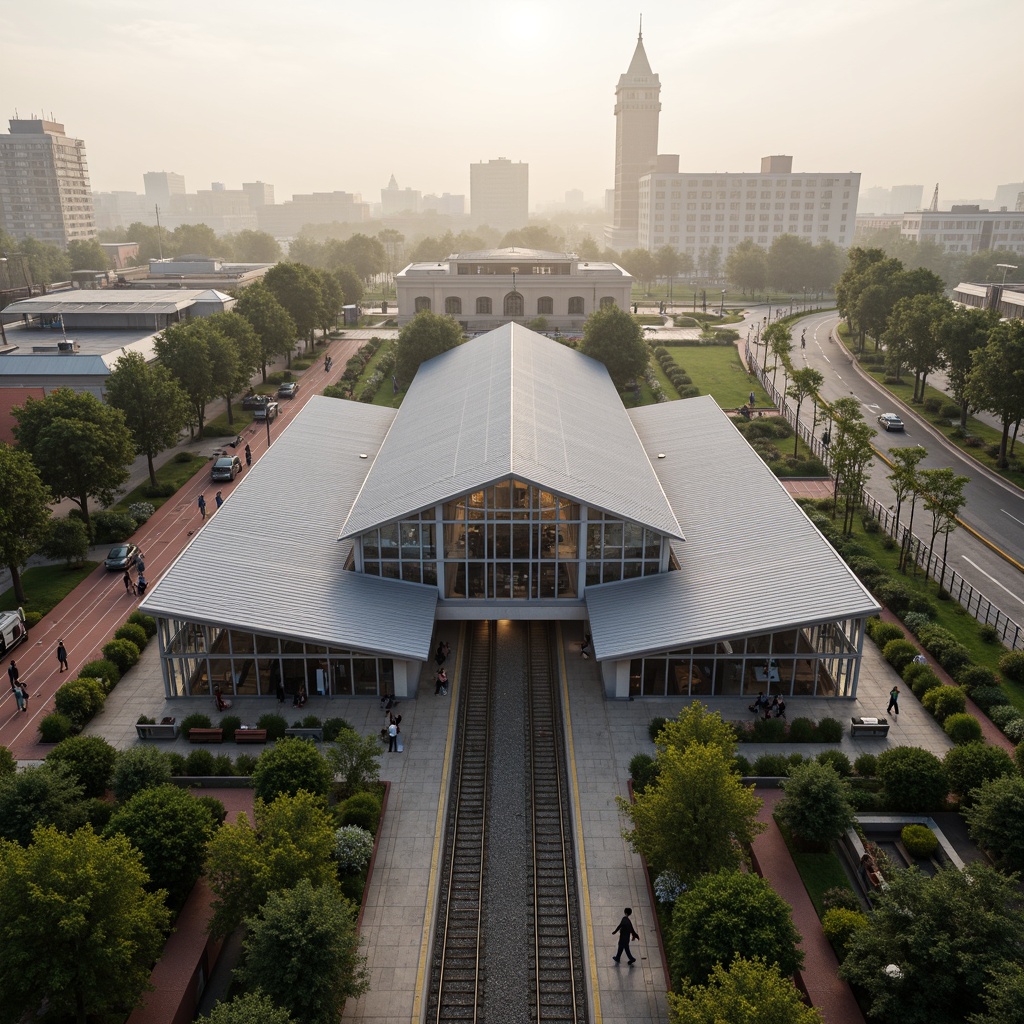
405 550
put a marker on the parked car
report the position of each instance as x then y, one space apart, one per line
890 421
288 389
254 401
267 411
122 557
13 630
226 468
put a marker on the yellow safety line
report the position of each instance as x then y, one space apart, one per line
584 884
435 856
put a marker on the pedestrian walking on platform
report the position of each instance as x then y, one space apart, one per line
894 702
62 655
441 686
625 931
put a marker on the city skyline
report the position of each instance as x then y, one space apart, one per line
319 98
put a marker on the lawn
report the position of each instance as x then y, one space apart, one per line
172 472
718 372
818 871
46 586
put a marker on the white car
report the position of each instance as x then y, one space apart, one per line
890 421
13 630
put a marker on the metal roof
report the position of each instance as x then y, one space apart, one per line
72 364
269 560
512 403
752 561
112 300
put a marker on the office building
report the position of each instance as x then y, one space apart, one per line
446 204
289 218
1008 197
161 185
44 184
966 229
499 193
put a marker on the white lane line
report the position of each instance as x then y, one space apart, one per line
993 579
1014 518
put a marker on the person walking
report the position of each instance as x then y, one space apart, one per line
13 673
24 696
752 402
894 702
392 738
219 499
585 647
441 687
62 655
202 505
19 697
441 654
129 583
625 931
248 456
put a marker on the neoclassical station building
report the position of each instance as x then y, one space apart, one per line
485 289
511 484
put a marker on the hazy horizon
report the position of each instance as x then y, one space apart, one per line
317 97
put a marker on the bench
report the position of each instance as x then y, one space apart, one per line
166 730
250 735
206 735
316 734
868 727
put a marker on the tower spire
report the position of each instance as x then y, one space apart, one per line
641 25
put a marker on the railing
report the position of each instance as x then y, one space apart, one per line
965 594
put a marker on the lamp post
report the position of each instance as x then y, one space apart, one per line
721 308
268 427
1004 267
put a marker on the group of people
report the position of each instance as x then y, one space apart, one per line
138 586
328 363
440 657
18 687
393 731
774 708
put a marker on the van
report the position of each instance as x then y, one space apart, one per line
13 630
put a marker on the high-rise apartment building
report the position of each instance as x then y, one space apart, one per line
637 109
161 185
499 193
44 184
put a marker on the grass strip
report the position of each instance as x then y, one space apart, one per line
818 871
46 586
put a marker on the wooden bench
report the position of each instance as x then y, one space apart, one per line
316 733
157 731
859 727
206 735
250 735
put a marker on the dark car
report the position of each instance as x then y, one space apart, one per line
288 389
890 421
254 401
122 557
267 411
226 468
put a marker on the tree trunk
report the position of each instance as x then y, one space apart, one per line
1002 460
16 584
152 469
231 414
82 501
263 370
963 414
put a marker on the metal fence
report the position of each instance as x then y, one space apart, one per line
972 600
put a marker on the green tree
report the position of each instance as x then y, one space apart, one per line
803 383
913 779
641 264
24 513
365 255
355 759
748 992
915 321
184 349
995 819
331 300
613 337
272 323
46 794
943 935
155 407
851 453
826 266
171 829
251 1008
80 930
426 335
779 341
961 331
294 929
289 765
138 768
351 287
996 380
970 766
746 266
87 254
81 447
66 539
293 839
1001 996
154 242
790 262
816 807
668 262
905 483
194 240
698 724
696 817
944 497
235 355
46 262
727 916
250 246
89 759
296 288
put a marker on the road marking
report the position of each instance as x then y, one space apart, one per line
1014 518
993 579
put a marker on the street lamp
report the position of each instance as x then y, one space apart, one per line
721 309
1004 267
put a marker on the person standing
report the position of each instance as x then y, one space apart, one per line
248 456
441 686
24 696
441 654
19 697
13 673
129 585
202 505
752 402
894 701
392 738
585 646
219 499
62 655
625 931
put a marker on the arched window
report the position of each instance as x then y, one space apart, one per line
513 304
422 303
545 305
576 305
483 307
453 305
607 301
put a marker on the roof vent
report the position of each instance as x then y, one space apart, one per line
362 455
661 455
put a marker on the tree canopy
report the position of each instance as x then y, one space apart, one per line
613 337
426 335
46 794
816 806
995 819
24 513
996 379
272 323
289 765
250 1008
296 288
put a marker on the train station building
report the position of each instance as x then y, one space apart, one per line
511 484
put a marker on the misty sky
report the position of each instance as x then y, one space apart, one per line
318 95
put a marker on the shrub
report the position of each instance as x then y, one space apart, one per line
950 411
838 760
916 621
138 768
972 676
913 670
332 727
741 765
199 763
884 632
643 770
1018 756
894 595
123 653
899 653
223 766
839 896
864 801
943 701
933 404
176 762
913 779
866 765
655 726
988 633
292 764
830 730
972 765
1003 714
769 730
274 724
919 840
102 669
90 759
353 848
1011 665
197 720
110 527
766 449
802 730
312 722
160 490
218 812
839 925
1014 730
795 760
182 457
141 511
229 723
80 699
963 728
771 766
925 681
988 697
136 634
362 809
945 648
920 605
147 622
245 764
55 727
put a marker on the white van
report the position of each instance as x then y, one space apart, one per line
13 630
